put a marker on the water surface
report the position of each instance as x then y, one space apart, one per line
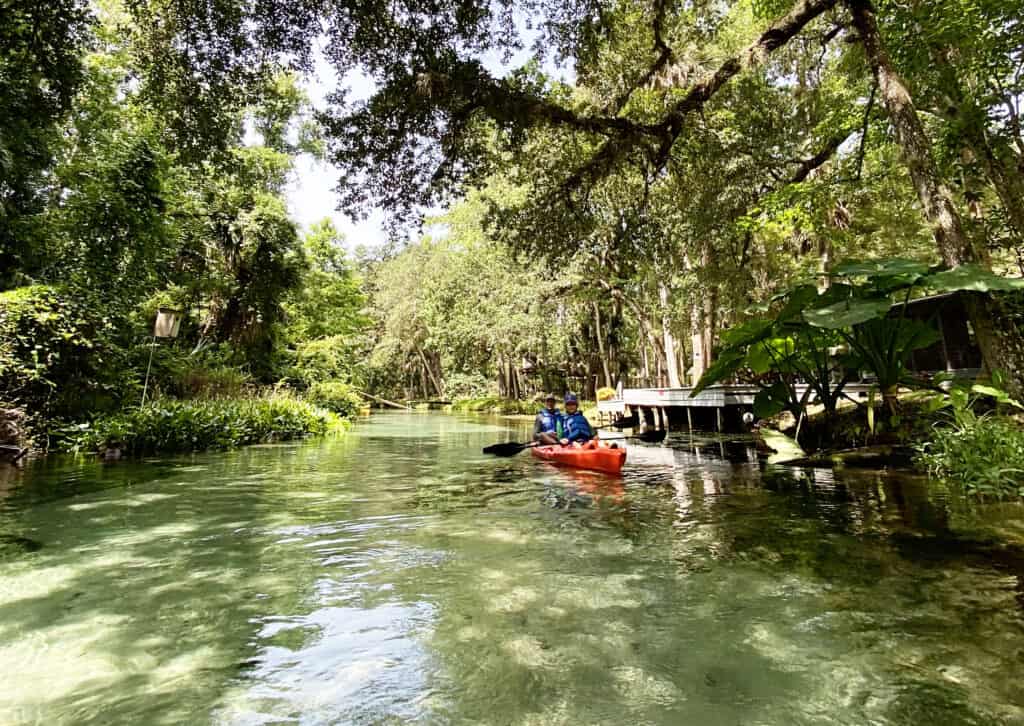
397 575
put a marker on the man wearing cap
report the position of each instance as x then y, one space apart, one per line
576 429
547 427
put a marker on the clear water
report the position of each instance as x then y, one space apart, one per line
399 576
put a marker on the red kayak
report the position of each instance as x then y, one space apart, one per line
597 458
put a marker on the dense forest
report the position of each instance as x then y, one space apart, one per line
650 176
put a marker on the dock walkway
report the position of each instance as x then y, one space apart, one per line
725 403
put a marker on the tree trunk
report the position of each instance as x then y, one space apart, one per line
430 373
697 347
935 197
710 325
671 360
1002 166
502 381
601 351
1001 342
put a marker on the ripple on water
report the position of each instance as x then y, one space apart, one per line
396 575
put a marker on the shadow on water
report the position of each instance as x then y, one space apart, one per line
398 575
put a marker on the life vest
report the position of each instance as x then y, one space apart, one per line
577 428
549 420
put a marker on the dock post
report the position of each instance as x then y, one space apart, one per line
718 419
689 420
661 418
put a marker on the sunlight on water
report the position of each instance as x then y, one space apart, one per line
397 575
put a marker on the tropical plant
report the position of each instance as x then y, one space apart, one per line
168 425
981 451
790 360
335 396
869 313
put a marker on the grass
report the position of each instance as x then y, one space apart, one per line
983 455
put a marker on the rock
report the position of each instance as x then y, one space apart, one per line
12 423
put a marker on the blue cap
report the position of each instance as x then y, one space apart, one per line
571 398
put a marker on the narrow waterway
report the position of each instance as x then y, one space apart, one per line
397 575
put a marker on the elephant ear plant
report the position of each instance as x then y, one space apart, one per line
791 361
872 318
817 341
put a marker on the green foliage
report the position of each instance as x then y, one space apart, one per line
203 379
323 359
983 452
984 455
781 352
57 352
467 386
41 47
494 404
168 425
335 396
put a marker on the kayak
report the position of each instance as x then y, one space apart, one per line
600 458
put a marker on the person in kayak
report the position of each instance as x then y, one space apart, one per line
547 427
576 429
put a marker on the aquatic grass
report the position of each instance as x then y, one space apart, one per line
167 425
985 456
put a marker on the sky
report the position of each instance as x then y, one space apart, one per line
311 195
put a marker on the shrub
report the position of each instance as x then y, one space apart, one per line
335 396
467 385
984 455
58 356
606 394
173 426
323 359
200 380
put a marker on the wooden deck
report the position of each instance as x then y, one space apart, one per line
719 402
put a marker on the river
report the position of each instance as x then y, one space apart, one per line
397 575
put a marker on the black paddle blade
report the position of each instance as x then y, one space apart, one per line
509 448
651 437
628 422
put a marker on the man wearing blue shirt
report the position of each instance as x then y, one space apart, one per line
547 427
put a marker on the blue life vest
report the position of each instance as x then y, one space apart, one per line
576 427
549 420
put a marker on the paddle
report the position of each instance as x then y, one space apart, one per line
509 448
651 436
627 422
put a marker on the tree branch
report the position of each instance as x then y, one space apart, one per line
864 131
664 58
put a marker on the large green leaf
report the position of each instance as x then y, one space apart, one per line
997 393
848 313
973 277
767 355
785 448
747 333
798 300
771 401
729 361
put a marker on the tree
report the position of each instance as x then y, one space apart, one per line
40 72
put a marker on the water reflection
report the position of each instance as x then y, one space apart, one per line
398 575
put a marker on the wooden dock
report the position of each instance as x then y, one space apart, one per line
718 407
